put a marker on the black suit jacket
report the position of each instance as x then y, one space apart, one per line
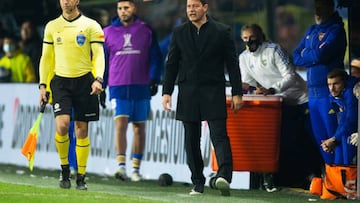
200 71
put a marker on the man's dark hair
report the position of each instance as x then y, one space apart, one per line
203 2
338 73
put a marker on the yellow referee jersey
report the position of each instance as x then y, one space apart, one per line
72 48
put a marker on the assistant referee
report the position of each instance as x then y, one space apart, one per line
72 48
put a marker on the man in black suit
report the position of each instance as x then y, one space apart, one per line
198 51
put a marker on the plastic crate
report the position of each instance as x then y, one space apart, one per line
254 134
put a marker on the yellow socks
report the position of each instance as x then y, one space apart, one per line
62 145
82 153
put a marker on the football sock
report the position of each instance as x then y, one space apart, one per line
136 160
121 159
82 153
62 145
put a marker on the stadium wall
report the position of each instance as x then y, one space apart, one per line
164 150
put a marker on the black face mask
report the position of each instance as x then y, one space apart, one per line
253 45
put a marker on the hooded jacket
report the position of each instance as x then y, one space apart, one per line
271 68
346 106
321 49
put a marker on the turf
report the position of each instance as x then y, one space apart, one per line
18 185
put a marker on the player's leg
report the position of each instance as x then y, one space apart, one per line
137 149
121 124
330 122
62 137
121 118
194 157
139 115
221 143
62 110
349 151
86 109
319 110
315 160
62 143
82 152
72 152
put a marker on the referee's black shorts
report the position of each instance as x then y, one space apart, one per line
75 92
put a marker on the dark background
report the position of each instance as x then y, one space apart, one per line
284 21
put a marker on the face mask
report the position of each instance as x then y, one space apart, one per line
252 45
8 48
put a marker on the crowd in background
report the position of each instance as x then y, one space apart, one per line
290 22
20 63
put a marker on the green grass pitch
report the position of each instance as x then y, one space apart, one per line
18 185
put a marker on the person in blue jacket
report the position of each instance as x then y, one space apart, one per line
345 105
322 49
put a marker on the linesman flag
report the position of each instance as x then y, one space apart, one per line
29 147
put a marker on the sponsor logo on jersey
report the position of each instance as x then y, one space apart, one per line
58 40
127 40
331 111
127 46
264 62
57 107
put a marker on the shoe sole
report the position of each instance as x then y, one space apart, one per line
65 184
135 179
194 193
121 177
271 190
81 187
223 186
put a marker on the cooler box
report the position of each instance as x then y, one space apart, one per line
254 134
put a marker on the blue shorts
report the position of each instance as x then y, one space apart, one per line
135 110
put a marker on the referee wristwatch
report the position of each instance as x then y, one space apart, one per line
99 79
